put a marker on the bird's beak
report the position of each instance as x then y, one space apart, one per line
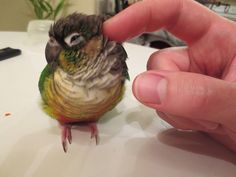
52 51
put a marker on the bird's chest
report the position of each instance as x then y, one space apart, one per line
76 91
83 101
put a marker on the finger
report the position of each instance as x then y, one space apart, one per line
150 15
184 123
171 59
188 95
180 123
225 140
231 133
210 126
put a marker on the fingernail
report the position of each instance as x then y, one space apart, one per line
208 125
150 88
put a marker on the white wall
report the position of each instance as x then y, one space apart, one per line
82 6
15 14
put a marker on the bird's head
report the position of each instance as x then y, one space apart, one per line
71 34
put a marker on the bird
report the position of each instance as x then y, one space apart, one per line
84 76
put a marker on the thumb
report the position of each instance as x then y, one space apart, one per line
187 95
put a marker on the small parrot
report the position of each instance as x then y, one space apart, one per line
85 73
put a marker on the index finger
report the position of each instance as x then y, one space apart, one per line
186 19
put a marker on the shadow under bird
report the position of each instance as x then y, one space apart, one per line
85 73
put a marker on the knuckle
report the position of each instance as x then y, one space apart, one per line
156 59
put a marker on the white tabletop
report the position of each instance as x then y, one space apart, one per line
134 142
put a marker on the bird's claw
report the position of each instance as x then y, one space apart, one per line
66 136
94 132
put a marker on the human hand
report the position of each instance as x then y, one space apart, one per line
193 87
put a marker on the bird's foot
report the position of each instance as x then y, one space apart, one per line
66 136
94 132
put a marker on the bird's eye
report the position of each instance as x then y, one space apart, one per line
74 39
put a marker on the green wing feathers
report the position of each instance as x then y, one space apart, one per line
44 75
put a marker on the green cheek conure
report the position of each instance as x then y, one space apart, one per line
85 73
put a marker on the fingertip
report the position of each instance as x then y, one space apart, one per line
128 23
113 29
109 30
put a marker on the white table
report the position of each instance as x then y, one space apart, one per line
134 142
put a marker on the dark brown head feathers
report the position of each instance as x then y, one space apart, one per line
87 25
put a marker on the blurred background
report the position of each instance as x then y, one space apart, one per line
16 15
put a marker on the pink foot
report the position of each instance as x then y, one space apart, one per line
94 132
65 136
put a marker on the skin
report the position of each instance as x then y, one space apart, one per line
193 87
